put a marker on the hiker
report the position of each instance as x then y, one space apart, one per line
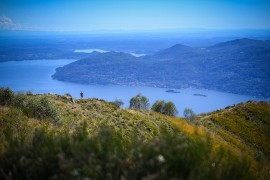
81 94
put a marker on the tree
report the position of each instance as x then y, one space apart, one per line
158 106
189 114
163 107
170 109
139 102
144 102
118 102
6 96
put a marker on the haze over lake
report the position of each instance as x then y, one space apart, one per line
35 76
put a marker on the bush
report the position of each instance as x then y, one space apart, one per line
189 114
139 102
68 95
6 96
170 109
118 102
50 155
20 100
163 107
33 106
158 106
42 108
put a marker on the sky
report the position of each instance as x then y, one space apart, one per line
130 15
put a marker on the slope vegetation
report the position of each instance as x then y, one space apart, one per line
249 123
58 137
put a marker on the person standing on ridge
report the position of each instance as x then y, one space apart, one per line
81 94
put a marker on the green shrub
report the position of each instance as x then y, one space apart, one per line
170 109
163 107
107 155
139 102
158 106
37 107
6 96
42 108
33 106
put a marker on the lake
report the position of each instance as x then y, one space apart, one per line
35 76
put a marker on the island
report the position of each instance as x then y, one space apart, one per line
202 95
172 91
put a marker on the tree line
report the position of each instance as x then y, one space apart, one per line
140 102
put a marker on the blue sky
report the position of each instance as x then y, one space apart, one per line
96 15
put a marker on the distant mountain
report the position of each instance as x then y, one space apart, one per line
240 43
240 66
176 51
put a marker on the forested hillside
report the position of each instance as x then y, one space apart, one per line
240 66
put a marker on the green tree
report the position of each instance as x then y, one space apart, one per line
158 106
163 107
170 109
189 114
139 102
6 96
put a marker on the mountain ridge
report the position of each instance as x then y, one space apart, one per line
241 69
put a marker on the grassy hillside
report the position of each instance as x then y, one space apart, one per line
57 137
247 122
246 127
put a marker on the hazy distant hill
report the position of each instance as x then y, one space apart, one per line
29 45
240 66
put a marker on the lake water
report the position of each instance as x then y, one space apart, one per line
35 76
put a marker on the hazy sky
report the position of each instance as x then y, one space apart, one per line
89 15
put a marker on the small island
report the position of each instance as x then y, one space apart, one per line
172 91
202 95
